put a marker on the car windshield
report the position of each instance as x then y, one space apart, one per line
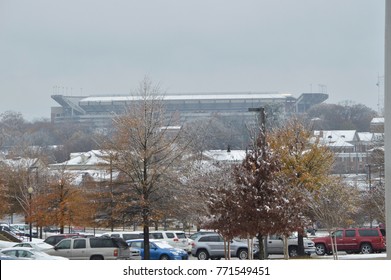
13 228
163 245
194 235
181 235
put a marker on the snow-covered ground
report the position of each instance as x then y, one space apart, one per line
344 256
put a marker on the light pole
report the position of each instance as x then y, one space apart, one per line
30 191
370 190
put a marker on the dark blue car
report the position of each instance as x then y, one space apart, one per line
159 250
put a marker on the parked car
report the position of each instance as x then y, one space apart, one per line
211 246
12 233
6 227
159 250
352 240
53 229
39 246
135 253
11 229
175 238
125 235
198 233
54 239
91 248
275 245
29 254
24 229
5 257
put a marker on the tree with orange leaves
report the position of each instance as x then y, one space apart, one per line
63 204
305 166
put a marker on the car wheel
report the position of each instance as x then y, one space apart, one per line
202 255
243 254
366 248
164 257
96 258
292 251
320 249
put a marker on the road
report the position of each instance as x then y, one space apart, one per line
341 256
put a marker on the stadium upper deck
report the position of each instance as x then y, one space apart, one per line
99 110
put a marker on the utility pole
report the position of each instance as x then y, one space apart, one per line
370 190
262 125
261 142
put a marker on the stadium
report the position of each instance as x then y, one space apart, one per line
98 111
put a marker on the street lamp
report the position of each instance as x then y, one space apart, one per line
30 191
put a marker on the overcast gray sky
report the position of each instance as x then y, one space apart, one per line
86 47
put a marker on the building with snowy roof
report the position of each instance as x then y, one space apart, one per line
225 156
99 110
377 125
93 164
351 148
20 163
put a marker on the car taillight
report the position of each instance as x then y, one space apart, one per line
115 252
192 244
176 239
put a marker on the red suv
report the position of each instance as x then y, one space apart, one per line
352 240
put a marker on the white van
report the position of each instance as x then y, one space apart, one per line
175 238
126 235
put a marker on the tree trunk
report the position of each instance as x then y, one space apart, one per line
228 250
146 233
261 253
250 245
286 250
300 244
334 247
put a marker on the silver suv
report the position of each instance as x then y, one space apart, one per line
211 246
275 245
91 248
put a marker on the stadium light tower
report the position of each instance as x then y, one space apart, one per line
387 121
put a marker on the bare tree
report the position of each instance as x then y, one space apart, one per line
145 150
348 116
4 198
